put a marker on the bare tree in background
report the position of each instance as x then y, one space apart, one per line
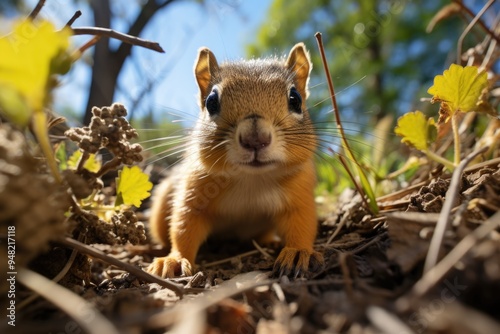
108 62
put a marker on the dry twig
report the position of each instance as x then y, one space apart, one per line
469 27
77 14
444 217
34 13
387 322
104 32
139 273
480 22
191 310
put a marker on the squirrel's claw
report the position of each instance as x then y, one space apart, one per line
300 262
170 266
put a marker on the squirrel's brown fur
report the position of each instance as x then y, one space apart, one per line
248 169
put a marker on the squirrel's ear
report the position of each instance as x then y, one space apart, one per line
206 70
299 62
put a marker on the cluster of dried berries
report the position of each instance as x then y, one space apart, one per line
108 129
128 228
31 201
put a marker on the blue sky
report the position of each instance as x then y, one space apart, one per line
225 26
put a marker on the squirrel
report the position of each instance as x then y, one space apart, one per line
248 168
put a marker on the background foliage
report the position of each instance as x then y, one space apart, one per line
382 44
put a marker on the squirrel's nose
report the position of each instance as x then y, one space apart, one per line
255 141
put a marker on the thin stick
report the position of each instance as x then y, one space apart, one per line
444 217
356 184
108 166
261 250
89 44
77 14
341 224
481 23
345 144
178 289
366 245
469 27
386 321
187 311
346 274
69 302
81 162
340 128
34 13
118 35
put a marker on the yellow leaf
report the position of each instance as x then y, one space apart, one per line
415 129
13 106
29 55
459 88
92 164
132 186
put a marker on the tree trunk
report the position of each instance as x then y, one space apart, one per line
104 69
108 63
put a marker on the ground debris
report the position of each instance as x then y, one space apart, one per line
372 264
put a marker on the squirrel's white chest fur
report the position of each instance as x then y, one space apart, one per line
248 206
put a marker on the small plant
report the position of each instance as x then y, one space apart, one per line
459 90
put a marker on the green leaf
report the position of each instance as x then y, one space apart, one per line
132 186
415 130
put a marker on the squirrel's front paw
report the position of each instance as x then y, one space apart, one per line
170 266
298 262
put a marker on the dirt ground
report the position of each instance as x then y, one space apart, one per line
375 279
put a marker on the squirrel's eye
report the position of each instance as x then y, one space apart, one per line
295 101
212 102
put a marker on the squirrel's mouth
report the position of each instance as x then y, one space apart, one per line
258 163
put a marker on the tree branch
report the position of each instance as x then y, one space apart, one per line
34 13
129 40
147 12
77 14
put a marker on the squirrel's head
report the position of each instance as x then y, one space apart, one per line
253 113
